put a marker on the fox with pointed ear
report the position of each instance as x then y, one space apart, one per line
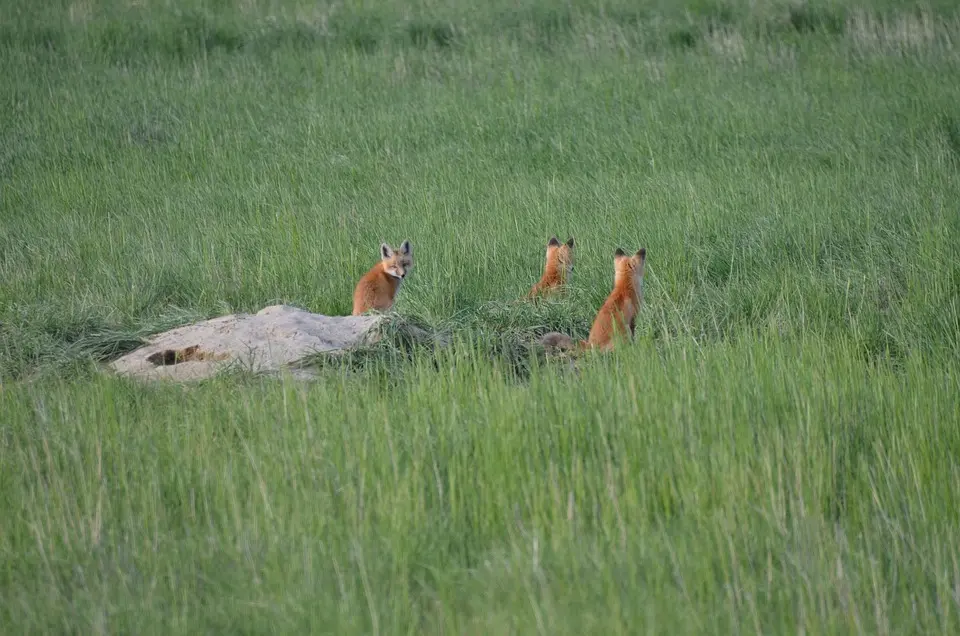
558 268
378 288
616 320
617 317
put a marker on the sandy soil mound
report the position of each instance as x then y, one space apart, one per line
275 338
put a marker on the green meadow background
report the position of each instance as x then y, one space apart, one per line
777 453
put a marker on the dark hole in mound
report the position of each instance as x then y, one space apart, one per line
169 357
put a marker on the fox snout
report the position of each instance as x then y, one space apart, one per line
396 272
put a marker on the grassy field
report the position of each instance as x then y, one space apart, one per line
776 453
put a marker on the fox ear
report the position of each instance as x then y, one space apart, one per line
553 242
385 251
406 248
642 253
619 253
570 242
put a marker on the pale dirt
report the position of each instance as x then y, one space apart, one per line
275 339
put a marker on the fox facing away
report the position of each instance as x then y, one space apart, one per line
617 317
558 268
378 288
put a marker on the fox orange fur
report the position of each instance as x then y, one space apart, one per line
378 288
617 317
558 268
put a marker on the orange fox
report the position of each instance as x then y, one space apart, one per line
558 268
618 313
378 288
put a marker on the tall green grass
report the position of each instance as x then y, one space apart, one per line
775 454
734 487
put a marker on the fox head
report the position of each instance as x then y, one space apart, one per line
396 263
562 253
629 267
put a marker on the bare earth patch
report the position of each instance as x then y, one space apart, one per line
275 338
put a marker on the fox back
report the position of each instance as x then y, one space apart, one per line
617 317
558 267
378 288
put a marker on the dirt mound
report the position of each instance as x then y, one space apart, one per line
275 338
